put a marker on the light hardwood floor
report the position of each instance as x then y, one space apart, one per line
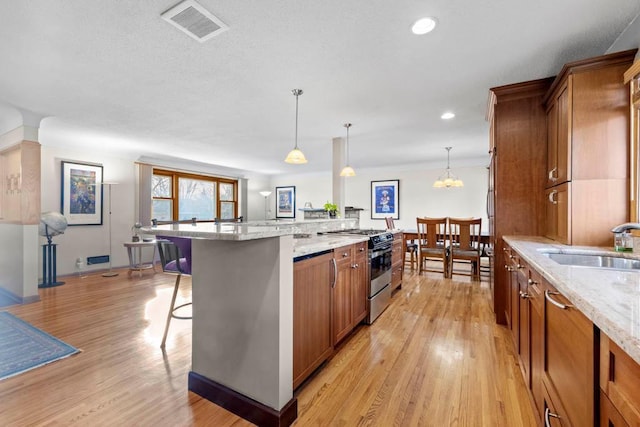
434 358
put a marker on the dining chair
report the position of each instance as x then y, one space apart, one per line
175 258
411 248
432 243
464 238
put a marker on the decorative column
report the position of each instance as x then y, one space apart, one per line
338 182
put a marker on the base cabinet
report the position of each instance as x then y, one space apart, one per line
569 364
312 340
342 294
619 384
359 279
397 263
555 344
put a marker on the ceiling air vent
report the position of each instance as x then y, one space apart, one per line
195 20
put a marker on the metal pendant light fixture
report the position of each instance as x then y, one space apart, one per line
296 156
448 180
347 170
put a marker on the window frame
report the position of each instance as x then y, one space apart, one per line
175 193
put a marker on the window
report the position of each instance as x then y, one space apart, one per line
182 196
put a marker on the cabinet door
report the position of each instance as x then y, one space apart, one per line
552 145
553 415
524 324
569 359
558 208
609 415
397 265
515 301
359 280
342 294
536 334
312 341
564 134
620 379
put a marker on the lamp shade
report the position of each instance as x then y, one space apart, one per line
295 157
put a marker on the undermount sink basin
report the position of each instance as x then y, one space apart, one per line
598 261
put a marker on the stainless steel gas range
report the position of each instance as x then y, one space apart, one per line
379 269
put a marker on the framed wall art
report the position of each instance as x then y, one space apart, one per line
81 194
385 199
286 202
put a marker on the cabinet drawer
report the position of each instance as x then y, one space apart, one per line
609 415
620 379
569 361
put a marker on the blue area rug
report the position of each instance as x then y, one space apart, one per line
23 347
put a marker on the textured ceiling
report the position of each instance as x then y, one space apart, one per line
115 74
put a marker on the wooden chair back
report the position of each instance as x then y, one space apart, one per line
389 221
464 233
432 232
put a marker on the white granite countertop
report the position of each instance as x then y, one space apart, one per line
609 298
315 243
248 230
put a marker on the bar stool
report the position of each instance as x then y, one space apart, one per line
175 258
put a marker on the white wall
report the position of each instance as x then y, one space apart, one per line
417 195
81 241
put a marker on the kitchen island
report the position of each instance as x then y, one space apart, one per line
242 290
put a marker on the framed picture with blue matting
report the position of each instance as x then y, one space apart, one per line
385 199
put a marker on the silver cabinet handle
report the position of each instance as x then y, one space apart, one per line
355 266
548 414
547 296
552 198
531 282
335 272
346 254
361 249
524 295
553 174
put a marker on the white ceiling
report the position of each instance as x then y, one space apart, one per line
115 74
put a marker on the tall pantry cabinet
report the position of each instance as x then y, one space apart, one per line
587 185
515 201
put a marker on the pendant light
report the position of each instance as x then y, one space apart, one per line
448 180
296 156
347 170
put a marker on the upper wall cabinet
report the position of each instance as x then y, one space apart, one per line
588 148
632 77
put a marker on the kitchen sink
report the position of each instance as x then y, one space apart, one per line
593 260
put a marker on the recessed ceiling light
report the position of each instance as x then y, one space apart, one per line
424 25
448 115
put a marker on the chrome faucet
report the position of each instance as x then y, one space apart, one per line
626 227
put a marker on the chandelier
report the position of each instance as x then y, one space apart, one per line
448 180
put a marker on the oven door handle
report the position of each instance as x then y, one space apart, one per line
377 252
335 273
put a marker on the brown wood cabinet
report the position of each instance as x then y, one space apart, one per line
397 261
555 345
349 292
588 150
620 385
342 294
535 295
360 276
518 138
569 365
312 339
